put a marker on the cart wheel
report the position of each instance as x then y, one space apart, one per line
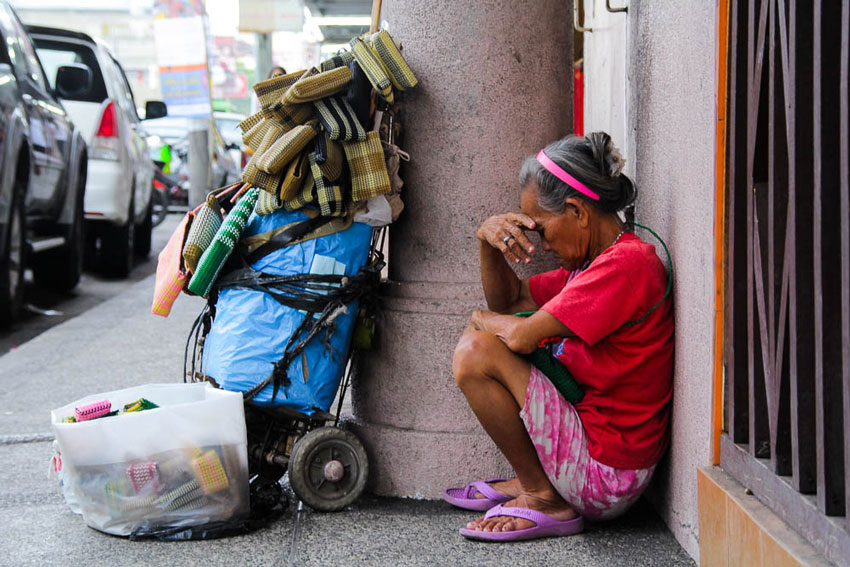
328 469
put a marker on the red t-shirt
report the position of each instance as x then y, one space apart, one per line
626 371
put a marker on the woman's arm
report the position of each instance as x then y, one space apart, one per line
520 334
503 290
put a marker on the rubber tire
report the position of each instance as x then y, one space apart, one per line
117 246
307 486
11 300
144 233
60 269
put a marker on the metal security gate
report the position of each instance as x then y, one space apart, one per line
787 344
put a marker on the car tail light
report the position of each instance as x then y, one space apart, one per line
105 143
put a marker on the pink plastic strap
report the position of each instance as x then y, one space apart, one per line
559 172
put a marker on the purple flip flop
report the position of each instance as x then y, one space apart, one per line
465 497
546 526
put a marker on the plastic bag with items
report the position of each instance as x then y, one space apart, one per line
181 464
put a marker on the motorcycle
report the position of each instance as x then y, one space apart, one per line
166 190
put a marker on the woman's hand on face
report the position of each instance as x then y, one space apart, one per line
505 233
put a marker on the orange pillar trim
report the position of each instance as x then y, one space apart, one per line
720 223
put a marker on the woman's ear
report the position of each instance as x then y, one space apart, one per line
579 209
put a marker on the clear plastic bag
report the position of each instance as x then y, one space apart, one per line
179 465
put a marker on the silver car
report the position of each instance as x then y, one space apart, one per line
42 171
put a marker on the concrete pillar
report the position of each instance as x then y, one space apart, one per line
495 86
263 53
199 162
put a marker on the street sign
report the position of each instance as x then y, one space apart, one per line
181 53
186 90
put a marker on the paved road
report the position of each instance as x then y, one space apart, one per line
46 309
116 344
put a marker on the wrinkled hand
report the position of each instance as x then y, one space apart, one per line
518 247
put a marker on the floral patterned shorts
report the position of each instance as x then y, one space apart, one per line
594 490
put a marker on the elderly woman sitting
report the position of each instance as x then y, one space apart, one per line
606 306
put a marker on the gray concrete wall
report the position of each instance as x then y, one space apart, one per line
672 117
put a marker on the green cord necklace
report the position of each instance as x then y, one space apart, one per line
669 274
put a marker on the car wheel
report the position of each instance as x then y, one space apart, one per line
143 236
13 260
60 269
117 246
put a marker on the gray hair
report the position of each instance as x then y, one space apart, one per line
591 159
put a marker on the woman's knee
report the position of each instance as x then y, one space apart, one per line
471 356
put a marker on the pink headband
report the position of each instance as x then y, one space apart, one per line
558 172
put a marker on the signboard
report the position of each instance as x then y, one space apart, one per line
227 81
180 41
264 16
230 85
178 8
181 54
186 90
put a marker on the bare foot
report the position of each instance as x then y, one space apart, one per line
507 487
550 504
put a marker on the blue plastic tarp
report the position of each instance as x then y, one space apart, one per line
251 328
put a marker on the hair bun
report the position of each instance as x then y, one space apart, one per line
608 158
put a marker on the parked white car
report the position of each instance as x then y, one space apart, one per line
118 189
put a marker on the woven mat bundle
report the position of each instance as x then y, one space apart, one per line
318 138
324 139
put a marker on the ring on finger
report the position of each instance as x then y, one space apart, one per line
507 238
